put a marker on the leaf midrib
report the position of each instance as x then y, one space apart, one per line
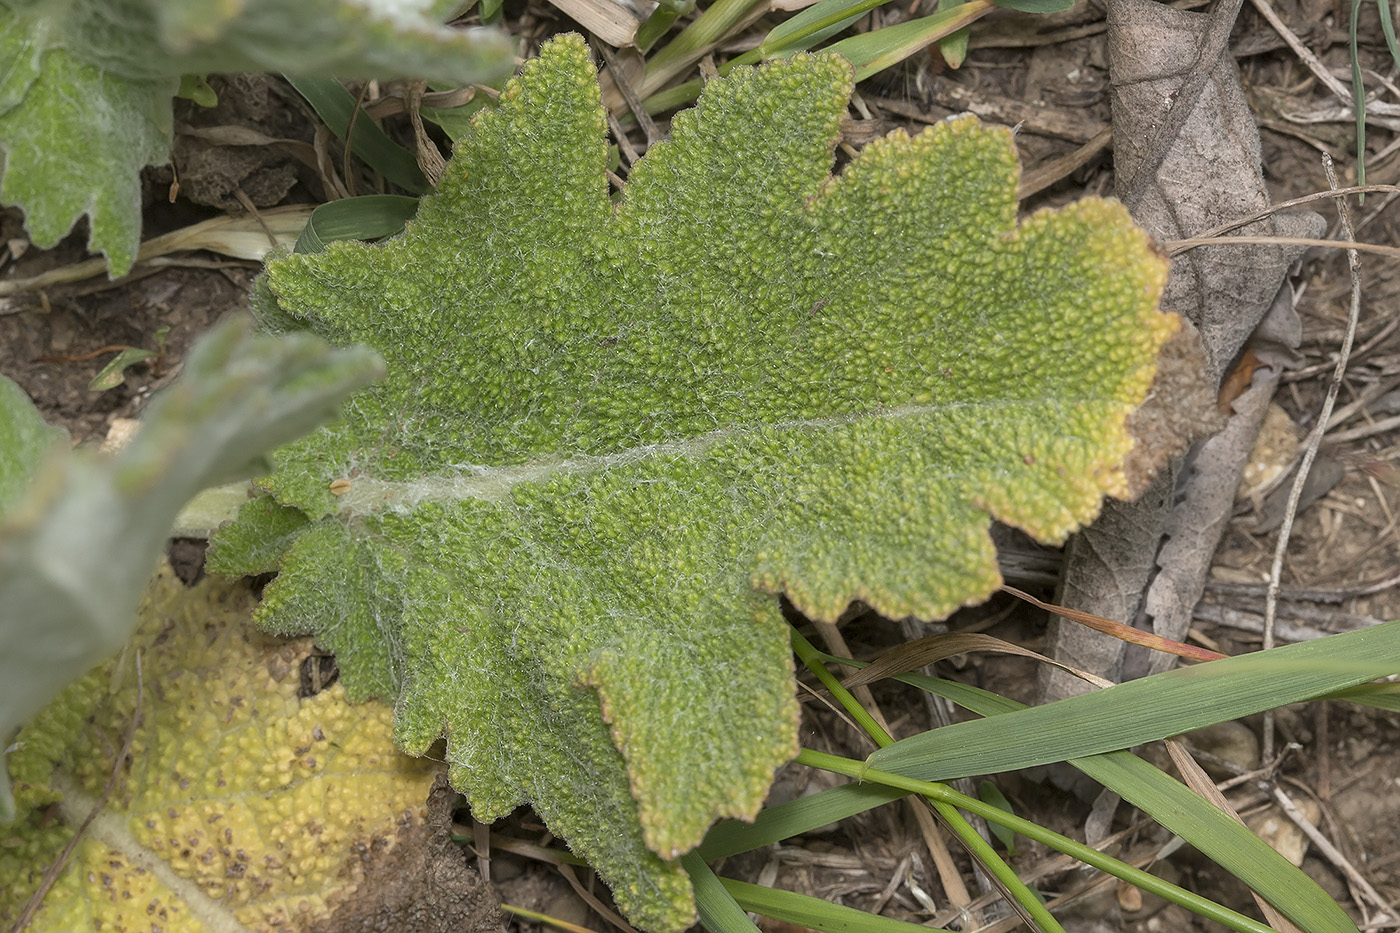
492 484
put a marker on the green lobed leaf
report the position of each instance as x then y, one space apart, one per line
86 88
609 435
75 139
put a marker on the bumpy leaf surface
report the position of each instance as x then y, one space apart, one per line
85 88
610 434
247 805
79 534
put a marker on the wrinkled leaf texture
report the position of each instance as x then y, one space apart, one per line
247 802
610 434
80 533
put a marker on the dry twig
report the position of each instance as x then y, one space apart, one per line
36 900
1314 441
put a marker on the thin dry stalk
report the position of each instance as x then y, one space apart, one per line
430 160
1314 441
837 711
481 843
348 150
629 94
1305 55
1272 209
36 900
256 214
1177 247
1043 176
1367 430
566 871
951 880
1197 779
1334 855
1371 344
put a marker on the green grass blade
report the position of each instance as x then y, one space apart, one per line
1381 696
943 794
1388 30
774 824
992 794
1148 709
813 661
1030 905
954 47
868 53
873 52
1218 837
1172 804
660 22
335 105
702 34
815 913
815 24
719 913
1183 812
672 97
369 217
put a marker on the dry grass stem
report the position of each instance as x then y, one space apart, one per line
36 900
1314 441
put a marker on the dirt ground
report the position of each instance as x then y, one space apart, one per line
1049 74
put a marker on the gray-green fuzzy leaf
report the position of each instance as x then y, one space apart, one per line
611 433
86 88
78 543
